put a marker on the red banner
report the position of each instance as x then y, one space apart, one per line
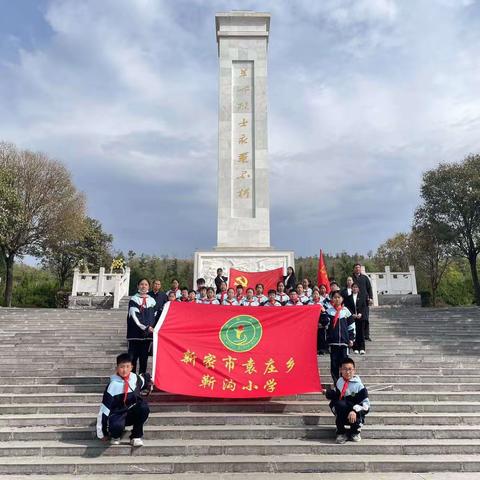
270 278
236 352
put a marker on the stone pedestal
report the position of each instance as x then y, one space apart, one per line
206 263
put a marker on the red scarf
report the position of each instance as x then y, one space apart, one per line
144 303
344 389
337 315
125 388
240 298
222 296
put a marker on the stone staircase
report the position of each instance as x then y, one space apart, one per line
422 371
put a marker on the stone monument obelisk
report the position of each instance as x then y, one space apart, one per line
243 232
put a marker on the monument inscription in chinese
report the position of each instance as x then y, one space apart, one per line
243 148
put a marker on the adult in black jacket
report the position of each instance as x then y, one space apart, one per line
159 296
366 290
289 280
219 279
357 305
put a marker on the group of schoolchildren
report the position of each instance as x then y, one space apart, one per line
343 324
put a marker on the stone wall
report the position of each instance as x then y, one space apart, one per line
89 302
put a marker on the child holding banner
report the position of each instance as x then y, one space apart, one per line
142 310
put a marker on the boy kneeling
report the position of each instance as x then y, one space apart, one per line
123 404
349 402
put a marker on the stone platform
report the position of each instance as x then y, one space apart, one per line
422 371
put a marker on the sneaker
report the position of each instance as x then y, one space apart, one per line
342 438
115 441
136 442
362 352
355 437
355 351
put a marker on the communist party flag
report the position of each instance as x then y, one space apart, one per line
270 278
236 352
322 277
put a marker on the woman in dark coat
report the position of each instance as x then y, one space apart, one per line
289 280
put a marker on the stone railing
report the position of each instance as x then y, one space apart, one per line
386 285
99 290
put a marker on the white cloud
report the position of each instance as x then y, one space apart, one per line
364 95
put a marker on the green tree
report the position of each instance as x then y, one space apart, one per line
84 241
431 248
395 253
451 200
41 201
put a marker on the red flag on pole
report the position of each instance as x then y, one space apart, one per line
322 277
236 352
269 278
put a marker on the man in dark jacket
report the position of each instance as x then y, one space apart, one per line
159 296
365 287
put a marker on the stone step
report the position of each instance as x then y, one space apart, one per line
231 432
231 463
383 393
269 476
163 448
232 406
189 419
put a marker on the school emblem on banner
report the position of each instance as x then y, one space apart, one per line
241 333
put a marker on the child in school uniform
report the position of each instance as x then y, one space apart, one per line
282 296
340 327
272 299
140 323
249 300
210 298
348 402
294 300
261 298
230 298
123 404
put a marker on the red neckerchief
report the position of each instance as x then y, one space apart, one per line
125 388
230 301
240 298
344 389
183 299
250 301
316 301
222 296
337 315
144 303
272 303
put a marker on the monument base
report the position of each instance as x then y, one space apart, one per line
248 260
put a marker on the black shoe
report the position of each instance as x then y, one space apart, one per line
368 338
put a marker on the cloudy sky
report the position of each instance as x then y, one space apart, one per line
364 95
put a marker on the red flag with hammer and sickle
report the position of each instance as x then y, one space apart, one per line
269 279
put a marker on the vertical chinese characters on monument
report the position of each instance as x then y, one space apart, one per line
243 141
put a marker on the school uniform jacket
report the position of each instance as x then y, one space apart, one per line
357 306
249 303
356 395
114 401
233 301
343 331
274 304
283 298
141 315
261 299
